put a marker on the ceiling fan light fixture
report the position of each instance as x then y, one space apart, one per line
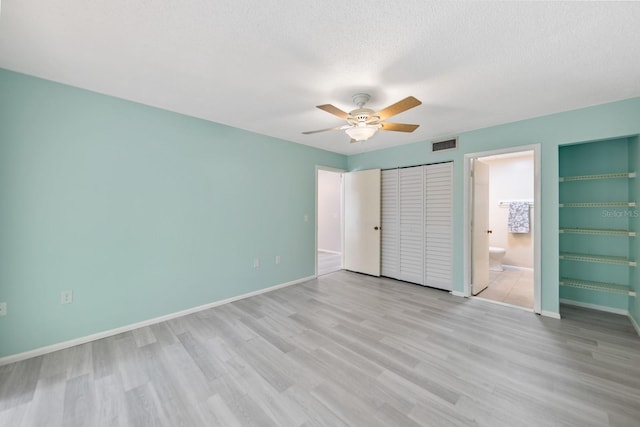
362 132
363 123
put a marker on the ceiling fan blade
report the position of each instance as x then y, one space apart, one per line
397 108
309 132
399 127
333 110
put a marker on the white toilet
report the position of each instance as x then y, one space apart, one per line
495 258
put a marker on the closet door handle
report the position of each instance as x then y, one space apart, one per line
376 228
489 231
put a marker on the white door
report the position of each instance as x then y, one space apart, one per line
362 221
480 227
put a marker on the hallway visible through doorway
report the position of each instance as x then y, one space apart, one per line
329 221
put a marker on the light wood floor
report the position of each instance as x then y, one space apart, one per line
342 350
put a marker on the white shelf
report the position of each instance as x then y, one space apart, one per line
613 288
603 259
597 232
597 286
600 176
599 205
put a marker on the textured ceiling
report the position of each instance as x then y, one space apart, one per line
264 65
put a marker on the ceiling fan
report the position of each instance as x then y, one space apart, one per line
363 123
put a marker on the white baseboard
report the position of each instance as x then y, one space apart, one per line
595 307
83 340
635 325
515 267
551 314
458 294
505 304
330 252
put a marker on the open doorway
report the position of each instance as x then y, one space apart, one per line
503 227
329 204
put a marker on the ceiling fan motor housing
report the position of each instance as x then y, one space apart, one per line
362 115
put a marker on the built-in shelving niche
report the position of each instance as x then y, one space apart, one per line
598 223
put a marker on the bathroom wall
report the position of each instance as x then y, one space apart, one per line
329 208
511 178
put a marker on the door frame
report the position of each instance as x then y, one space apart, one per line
537 214
315 249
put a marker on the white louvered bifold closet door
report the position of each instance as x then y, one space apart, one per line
417 225
390 224
438 233
412 225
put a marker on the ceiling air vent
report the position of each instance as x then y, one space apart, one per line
448 144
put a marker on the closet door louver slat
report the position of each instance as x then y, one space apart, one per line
390 239
411 225
438 235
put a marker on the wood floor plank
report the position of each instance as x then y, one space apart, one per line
219 413
211 367
79 402
318 414
347 405
268 334
14 415
18 385
243 407
178 383
112 406
143 336
103 357
342 350
278 406
143 408
47 405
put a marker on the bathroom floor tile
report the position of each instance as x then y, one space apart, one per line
511 287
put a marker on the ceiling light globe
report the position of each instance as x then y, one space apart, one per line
362 133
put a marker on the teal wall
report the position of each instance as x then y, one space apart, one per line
141 212
618 119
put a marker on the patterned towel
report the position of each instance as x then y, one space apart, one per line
518 217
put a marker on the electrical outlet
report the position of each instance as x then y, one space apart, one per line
3 308
256 263
278 259
66 297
